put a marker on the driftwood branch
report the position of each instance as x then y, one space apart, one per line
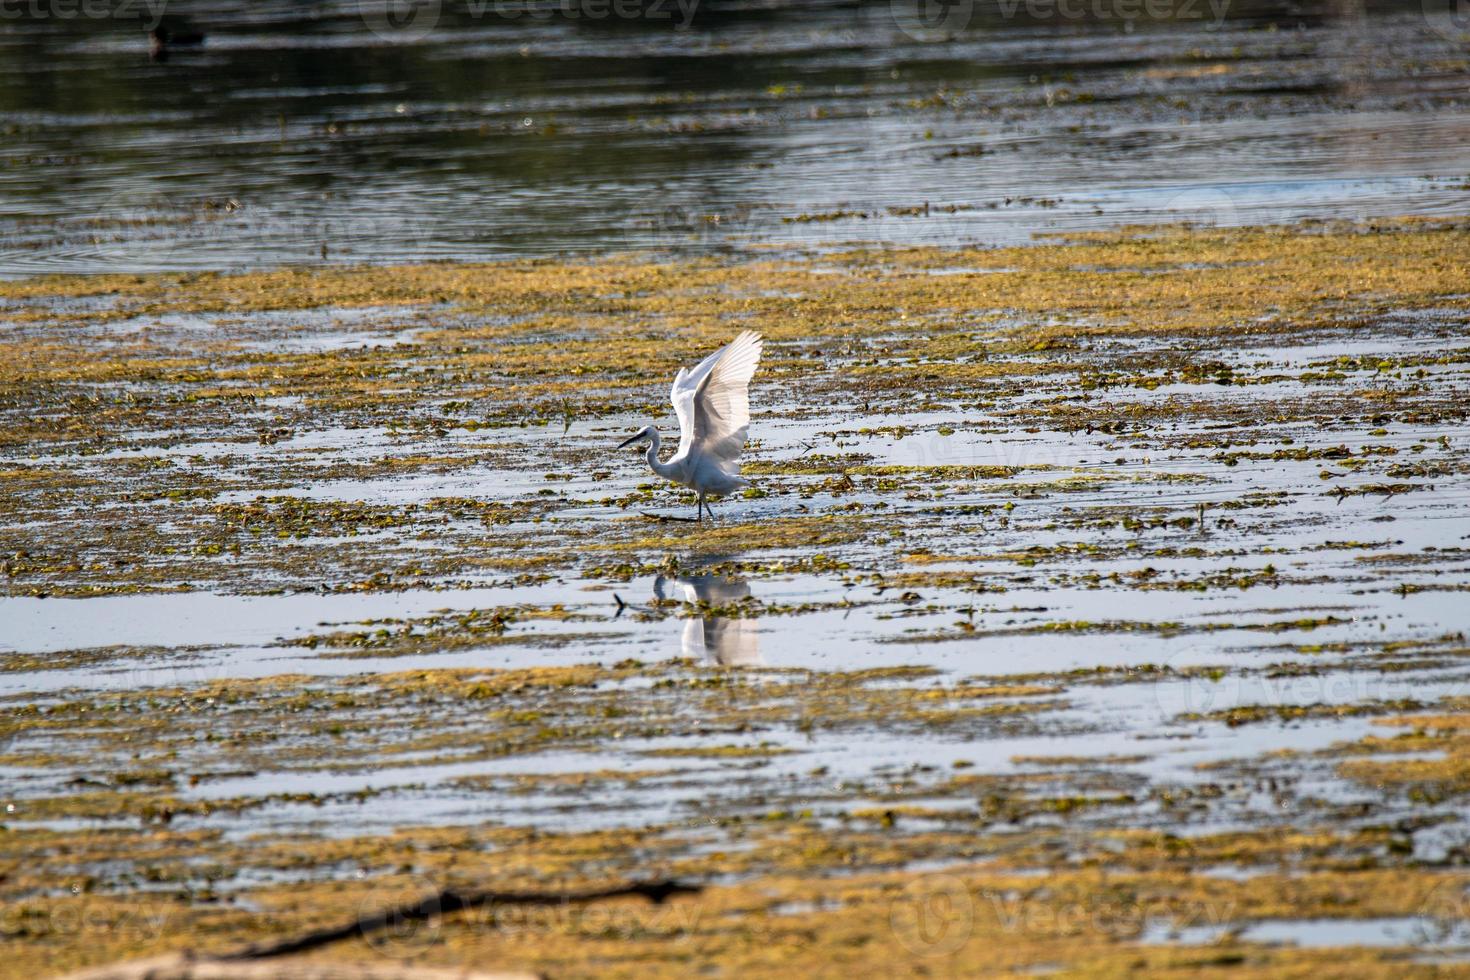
445 902
183 967
257 959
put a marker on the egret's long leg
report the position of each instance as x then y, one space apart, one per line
699 509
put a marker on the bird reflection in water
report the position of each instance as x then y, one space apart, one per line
726 640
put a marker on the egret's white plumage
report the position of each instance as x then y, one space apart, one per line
713 404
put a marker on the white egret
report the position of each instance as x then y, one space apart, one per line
713 405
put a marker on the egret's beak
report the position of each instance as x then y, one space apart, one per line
628 442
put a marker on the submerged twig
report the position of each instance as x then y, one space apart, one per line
443 902
178 966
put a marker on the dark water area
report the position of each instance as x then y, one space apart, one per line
303 133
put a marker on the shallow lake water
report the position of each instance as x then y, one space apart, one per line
330 562
311 133
1023 607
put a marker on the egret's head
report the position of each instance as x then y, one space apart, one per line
644 434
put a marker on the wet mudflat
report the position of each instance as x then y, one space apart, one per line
1099 605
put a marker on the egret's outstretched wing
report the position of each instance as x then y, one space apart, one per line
720 408
686 383
683 398
722 399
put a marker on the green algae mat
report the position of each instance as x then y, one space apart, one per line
1098 608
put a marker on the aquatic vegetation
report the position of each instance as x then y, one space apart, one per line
1062 582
